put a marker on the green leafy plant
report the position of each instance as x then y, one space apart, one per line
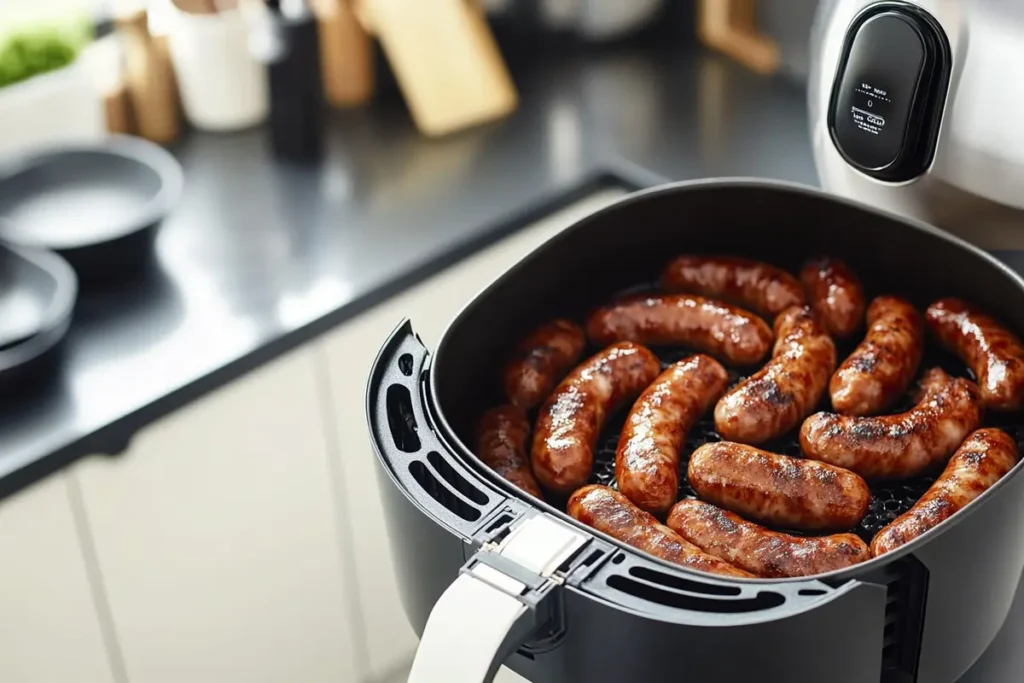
32 51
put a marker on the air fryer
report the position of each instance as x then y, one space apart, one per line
489 575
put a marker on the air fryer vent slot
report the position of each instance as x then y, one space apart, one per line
679 583
401 420
454 479
645 591
501 521
439 492
904 620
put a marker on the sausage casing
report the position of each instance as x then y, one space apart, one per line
611 512
792 493
760 551
902 445
570 421
980 462
835 293
760 287
772 401
731 334
882 366
502 443
994 354
647 458
541 360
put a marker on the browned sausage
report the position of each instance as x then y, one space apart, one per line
792 493
772 401
762 552
903 445
503 431
570 421
993 353
763 288
881 368
541 360
732 334
980 462
647 459
611 512
835 294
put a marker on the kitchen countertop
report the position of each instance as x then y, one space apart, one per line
260 256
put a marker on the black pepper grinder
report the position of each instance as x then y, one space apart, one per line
293 69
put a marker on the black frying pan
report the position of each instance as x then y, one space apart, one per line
37 297
98 205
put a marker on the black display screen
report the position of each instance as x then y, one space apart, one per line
883 71
869 107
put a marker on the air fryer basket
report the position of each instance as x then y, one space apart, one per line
923 613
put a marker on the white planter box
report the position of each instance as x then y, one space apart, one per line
49 109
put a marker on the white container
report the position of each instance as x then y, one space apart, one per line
51 108
222 86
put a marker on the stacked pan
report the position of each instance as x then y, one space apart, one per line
772 416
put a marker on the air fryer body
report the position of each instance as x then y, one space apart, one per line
953 65
922 614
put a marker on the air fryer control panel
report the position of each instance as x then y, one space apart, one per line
889 91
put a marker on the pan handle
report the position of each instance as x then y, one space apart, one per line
503 594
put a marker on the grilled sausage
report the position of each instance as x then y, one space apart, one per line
571 419
902 445
792 493
647 459
728 333
980 462
881 368
502 435
541 360
611 512
762 552
760 287
994 354
773 400
835 294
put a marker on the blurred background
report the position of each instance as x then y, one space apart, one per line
212 215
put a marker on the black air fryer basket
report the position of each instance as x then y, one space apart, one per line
490 575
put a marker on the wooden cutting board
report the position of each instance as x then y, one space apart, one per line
445 60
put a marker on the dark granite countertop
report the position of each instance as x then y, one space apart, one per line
260 257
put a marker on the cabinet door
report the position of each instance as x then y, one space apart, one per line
217 539
49 625
350 350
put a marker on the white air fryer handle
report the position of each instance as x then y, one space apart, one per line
485 614
471 630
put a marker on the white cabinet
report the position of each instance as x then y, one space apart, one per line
350 350
218 540
240 539
49 624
